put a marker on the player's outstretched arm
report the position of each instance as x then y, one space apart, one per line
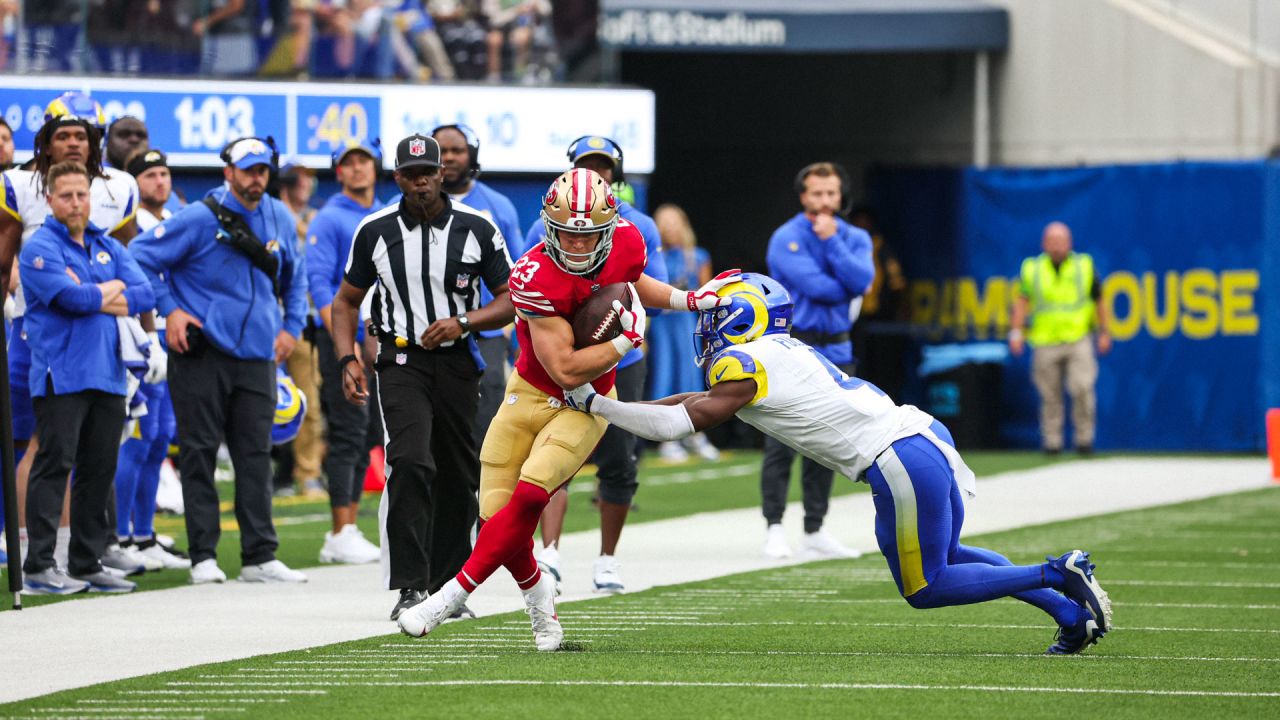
657 294
553 344
659 422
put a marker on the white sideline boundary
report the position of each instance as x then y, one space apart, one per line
84 642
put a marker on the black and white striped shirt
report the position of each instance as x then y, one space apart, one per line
425 272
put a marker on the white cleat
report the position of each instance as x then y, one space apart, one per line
775 542
272 571
607 578
821 544
428 615
549 562
540 603
349 547
157 553
207 571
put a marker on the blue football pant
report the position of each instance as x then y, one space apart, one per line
919 514
138 471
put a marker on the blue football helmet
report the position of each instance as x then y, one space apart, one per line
73 106
291 408
760 306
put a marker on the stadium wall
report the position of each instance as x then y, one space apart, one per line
1187 253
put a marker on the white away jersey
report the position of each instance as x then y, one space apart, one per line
806 402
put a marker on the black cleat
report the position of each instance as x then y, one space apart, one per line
408 598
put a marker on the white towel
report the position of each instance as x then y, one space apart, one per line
134 345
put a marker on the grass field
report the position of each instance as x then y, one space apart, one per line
666 491
1196 589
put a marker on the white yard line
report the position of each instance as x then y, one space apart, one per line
164 630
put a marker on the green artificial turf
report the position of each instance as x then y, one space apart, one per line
1195 586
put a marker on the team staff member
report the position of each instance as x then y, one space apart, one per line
615 456
460 156
226 333
428 256
1060 289
328 244
78 281
824 262
126 135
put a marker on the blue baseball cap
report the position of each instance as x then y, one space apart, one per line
372 148
595 145
247 152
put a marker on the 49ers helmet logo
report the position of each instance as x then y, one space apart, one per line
550 197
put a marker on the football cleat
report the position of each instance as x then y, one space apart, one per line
408 598
427 615
1080 585
1074 639
540 603
549 562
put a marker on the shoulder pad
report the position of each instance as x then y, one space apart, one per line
732 365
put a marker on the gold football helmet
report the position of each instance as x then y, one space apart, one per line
579 201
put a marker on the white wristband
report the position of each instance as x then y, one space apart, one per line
679 300
623 345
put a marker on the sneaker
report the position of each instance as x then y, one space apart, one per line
272 571
821 544
134 552
169 545
285 491
699 443
540 603
462 613
1081 586
121 559
408 598
313 488
607 579
53 581
549 563
349 547
105 582
152 550
113 572
169 492
775 542
427 615
672 451
1074 639
207 571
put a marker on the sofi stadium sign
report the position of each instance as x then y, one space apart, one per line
685 28
192 121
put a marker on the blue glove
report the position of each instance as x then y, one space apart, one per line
580 398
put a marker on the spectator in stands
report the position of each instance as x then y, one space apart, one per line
1060 289
459 25
328 244
300 458
331 17
78 281
671 371
825 263
6 145
880 332
511 23
126 135
412 19
230 44
226 335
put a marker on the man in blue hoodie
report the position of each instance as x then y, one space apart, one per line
77 281
615 456
825 263
220 281
328 244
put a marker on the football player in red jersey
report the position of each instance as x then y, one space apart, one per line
535 444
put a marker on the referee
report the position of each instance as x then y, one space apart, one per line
427 255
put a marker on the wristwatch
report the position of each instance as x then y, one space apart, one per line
465 323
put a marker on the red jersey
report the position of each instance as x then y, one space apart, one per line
541 288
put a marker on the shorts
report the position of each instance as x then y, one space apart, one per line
533 438
24 417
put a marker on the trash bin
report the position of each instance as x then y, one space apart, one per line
962 389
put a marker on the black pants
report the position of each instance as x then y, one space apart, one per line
493 384
428 400
616 454
348 438
80 430
214 396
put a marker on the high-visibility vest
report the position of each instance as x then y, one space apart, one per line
1061 301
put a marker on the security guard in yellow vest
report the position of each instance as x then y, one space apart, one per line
1060 290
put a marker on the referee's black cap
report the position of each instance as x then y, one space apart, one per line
418 150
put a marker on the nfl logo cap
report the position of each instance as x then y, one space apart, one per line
417 150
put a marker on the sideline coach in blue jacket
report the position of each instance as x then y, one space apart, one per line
220 281
824 262
77 280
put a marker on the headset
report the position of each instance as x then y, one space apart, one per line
473 145
269 141
611 148
846 200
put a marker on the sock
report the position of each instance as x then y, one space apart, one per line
62 546
510 530
1064 610
1053 577
524 567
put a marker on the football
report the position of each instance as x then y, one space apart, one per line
596 321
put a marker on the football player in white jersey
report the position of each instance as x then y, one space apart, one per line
781 386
